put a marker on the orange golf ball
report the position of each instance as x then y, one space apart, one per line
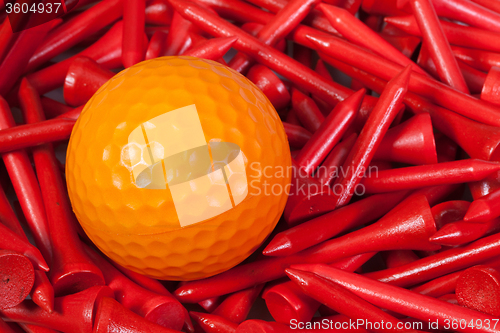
178 167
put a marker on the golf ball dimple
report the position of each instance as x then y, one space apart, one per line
170 164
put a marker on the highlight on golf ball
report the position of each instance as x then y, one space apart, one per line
173 168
